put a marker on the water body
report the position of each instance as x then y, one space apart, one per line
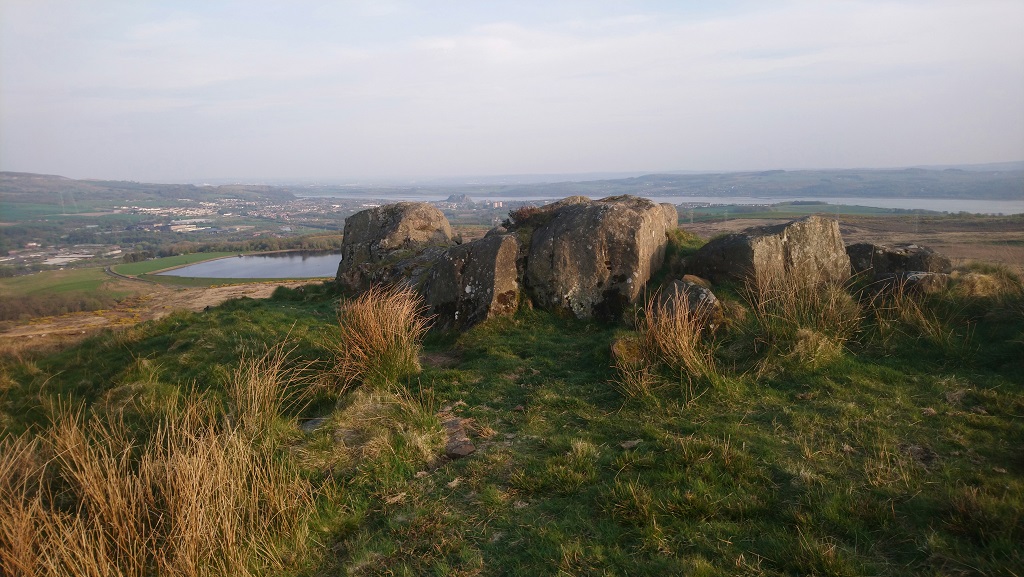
296 264
952 205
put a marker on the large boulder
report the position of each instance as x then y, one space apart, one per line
594 258
809 249
472 282
375 236
885 260
671 215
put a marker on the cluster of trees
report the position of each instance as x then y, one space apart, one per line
313 243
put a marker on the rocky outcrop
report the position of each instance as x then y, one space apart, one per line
388 233
473 282
883 260
806 250
593 258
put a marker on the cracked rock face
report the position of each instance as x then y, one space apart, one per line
593 258
807 249
472 282
384 233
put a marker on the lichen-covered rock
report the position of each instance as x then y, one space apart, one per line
809 249
594 258
472 282
881 260
375 236
671 215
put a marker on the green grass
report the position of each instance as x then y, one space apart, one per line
53 282
150 266
893 458
23 211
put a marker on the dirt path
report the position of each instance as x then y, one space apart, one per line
156 301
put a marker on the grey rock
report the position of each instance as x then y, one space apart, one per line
458 444
386 233
496 231
472 282
913 282
593 258
809 249
671 215
458 450
879 260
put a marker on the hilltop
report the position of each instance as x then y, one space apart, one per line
856 432
58 190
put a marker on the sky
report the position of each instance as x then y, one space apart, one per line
188 90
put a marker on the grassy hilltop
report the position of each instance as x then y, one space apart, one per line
815 430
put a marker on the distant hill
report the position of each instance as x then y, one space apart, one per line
51 189
1001 181
1004 181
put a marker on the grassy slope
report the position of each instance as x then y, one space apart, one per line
839 470
57 281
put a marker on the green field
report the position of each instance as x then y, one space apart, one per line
23 211
151 266
54 282
786 210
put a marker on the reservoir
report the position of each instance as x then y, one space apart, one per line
292 264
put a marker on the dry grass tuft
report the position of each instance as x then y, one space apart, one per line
902 312
381 331
803 320
262 386
197 499
679 335
634 372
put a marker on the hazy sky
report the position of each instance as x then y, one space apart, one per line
175 91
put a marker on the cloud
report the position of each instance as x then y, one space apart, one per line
373 89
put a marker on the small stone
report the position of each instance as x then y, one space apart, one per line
999 470
627 445
313 424
460 449
929 412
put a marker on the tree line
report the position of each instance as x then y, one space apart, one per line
269 244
